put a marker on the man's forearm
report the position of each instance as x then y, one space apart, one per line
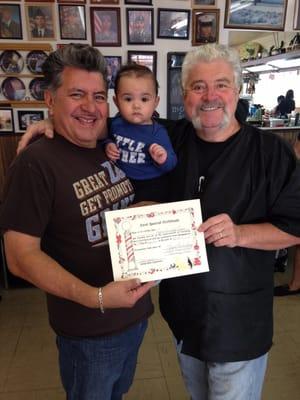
264 237
42 271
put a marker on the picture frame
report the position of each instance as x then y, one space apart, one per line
140 23
173 23
203 3
296 26
105 26
147 58
23 117
205 26
113 65
139 2
40 1
10 21
107 2
175 107
40 21
72 21
72 2
11 61
13 88
6 121
255 16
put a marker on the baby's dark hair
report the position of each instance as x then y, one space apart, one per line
135 70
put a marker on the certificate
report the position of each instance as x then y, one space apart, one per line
156 242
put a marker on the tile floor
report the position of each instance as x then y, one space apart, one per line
28 358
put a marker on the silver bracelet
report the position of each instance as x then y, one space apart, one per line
100 298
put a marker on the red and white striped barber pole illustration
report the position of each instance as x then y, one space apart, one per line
129 247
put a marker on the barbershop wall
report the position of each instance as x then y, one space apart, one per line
161 46
8 140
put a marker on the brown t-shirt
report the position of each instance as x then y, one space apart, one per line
59 192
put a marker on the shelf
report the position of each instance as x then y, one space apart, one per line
290 55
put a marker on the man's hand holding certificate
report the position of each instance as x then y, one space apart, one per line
157 242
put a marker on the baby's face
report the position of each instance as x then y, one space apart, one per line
136 99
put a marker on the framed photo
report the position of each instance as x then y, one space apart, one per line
6 121
297 15
72 22
73 1
108 2
255 15
34 61
37 87
173 24
10 21
13 88
205 3
40 21
106 26
113 64
175 108
147 58
11 61
25 117
139 26
139 2
205 26
40 1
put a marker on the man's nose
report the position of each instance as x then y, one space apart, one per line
210 92
89 103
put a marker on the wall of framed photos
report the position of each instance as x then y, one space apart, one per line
111 25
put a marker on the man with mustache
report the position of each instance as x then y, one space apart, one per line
248 182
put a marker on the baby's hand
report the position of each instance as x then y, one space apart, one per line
158 153
112 151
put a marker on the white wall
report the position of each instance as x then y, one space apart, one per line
162 46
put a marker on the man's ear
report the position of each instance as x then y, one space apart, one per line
49 99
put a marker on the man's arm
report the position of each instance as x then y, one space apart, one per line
26 260
221 231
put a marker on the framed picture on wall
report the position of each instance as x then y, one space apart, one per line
40 21
175 108
108 2
147 58
11 61
25 117
139 2
205 26
297 15
205 3
255 15
6 121
113 64
72 22
73 1
139 26
106 26
173 24
10 21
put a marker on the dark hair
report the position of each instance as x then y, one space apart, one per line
81 56
289 94
280 98
135 70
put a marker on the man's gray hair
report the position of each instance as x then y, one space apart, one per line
209 53
81 56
